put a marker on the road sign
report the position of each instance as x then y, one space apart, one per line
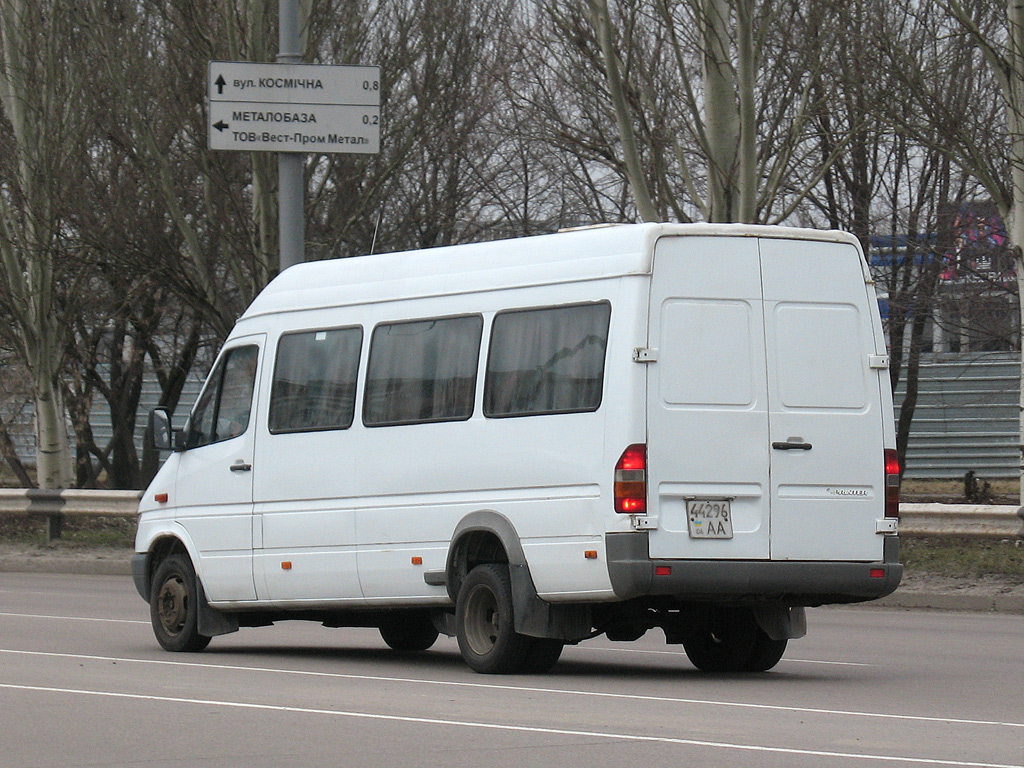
293 107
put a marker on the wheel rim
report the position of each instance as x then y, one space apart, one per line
483 620
172 605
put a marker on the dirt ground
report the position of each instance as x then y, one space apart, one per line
961 491
993 584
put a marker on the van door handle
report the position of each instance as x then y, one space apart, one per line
789 446
240 466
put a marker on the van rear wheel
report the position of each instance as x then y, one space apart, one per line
174 606
543 655
766 654
484 624
724 641
409 632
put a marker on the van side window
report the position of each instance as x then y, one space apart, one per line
546 361
422 371
315 380
224 408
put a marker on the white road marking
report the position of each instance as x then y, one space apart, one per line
72 618
683 654
890 759
523 689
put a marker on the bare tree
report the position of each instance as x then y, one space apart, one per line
151 58
169 241
983 42
740 147
435 179
1003 50
892 189
39 88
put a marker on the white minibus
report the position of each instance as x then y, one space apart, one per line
531 442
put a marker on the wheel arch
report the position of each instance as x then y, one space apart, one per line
486 536
174 540
163 543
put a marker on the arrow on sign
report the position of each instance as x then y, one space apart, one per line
220 82
220 125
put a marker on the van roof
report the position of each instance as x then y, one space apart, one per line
588 253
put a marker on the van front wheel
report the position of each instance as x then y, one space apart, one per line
484 623
174 606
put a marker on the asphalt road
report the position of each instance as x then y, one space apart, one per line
83 683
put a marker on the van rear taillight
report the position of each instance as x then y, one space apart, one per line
631 481
892 483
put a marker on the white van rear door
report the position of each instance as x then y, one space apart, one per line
827 467
763 403
707 404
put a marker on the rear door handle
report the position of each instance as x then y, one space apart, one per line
240 466
791 446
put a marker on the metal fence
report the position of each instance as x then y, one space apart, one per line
966 417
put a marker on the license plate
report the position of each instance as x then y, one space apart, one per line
709 518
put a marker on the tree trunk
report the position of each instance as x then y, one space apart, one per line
30 228
10 454
623 116
747 81
53 454
721 113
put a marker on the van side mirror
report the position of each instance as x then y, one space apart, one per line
161 435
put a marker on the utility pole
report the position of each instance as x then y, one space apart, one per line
291 190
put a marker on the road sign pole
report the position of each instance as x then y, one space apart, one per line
291 190
288 107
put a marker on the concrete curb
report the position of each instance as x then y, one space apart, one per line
953 601
99 566
118 564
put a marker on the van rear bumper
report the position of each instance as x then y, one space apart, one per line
633 574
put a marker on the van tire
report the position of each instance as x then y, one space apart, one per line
766 654
409 632
543 655
484 623
724 640
174 606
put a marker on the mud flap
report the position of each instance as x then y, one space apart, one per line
780 622
212 622
537 618
444 622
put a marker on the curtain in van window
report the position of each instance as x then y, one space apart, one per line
547 361
422 371
315 380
